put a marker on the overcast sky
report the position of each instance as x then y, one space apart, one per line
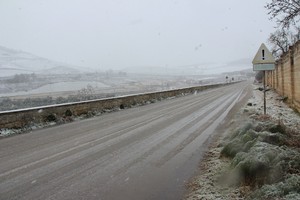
120 33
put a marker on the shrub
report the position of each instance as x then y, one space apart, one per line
272 138
287 189
279 128
68 113
51 118
254 165
232 148
240 141
122 106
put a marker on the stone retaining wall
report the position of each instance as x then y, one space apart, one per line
39 115
285 79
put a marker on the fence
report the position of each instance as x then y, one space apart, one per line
285 79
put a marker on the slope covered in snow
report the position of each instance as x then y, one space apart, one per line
18 62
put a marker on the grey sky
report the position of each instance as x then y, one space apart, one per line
121 33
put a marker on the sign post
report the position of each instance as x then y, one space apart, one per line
263 61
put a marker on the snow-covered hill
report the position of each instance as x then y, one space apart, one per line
19 62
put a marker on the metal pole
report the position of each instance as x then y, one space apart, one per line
265 109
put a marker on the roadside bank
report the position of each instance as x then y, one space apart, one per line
258 157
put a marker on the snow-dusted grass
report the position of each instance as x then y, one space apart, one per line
276 108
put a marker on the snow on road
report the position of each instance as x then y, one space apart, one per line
145 152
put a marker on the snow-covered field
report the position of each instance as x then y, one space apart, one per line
60 87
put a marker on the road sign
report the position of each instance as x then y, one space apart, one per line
263 67
263 60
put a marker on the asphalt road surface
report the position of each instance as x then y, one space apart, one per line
146 152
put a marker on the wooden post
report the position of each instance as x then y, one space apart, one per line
265 109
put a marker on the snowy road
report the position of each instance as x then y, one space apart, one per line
140 153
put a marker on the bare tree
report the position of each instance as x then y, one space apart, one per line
286 12
86 93
296 36
280 42
282 39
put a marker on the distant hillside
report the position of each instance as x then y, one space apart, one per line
18 62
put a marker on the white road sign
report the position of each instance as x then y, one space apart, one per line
263 59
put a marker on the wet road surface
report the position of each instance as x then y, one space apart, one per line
146 152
